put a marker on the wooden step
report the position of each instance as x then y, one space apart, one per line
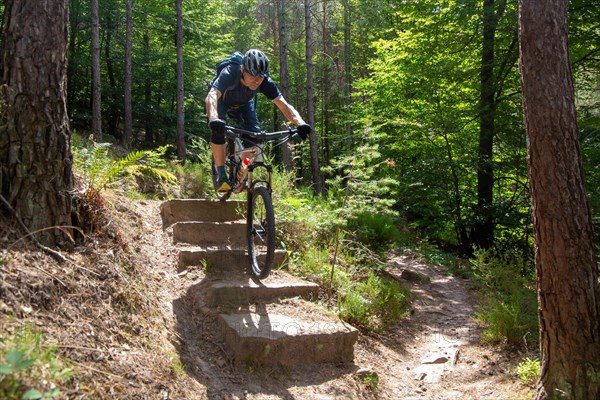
288 335
173 211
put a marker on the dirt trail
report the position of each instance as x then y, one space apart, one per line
434 353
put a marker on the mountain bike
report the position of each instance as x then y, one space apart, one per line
245 155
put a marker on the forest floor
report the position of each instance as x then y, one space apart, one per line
126 320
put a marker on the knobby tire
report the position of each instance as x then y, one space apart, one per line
261 232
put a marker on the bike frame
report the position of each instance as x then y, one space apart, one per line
257 150
260 219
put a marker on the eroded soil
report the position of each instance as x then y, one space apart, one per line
170 347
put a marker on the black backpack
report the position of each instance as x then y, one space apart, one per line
236 58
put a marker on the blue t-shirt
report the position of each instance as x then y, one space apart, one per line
234 94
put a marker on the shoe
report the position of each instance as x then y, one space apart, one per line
223 185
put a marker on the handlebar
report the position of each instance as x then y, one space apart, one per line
268 136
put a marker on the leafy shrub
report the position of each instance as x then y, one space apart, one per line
376 303
528 370
195 180
509 311
29 369
195 176
99 169
314 264
376 231
322 232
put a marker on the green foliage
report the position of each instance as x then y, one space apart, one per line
316 228
510 309
195 176
414 76
29 369
528 370
360 185
371 380
194 179
304 220
376 231
421 103
177 367
375 303
99 170
314 264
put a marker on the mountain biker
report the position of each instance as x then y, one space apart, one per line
232 94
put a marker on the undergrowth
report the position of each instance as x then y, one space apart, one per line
30 368
509 309
340 240
528 370
341 245
101 168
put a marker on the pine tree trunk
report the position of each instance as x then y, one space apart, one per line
181 150
35 156
347 73
114 110
310 101
96 85
326 86
148 124
284 74
127 117
567 276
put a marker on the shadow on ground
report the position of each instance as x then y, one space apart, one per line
206 357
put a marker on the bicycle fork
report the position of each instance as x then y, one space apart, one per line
266 182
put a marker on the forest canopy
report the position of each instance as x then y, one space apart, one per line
425 95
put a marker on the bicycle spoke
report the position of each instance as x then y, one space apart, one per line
261 232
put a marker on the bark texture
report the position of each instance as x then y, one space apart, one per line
310 101
567 276
35 156
96 83
181 150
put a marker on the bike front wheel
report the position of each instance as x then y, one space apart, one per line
261 232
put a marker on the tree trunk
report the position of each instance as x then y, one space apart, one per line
310 102
567 276
114 111
180 111
325 86
127 131
35 157
96 85
284 78
148 125
75 16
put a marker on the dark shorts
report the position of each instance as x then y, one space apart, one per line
244 117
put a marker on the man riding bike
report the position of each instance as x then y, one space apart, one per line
232 94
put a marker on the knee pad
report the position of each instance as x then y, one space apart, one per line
217 138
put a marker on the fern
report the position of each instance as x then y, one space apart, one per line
100 171
121 168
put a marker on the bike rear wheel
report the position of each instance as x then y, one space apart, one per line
228 167
261 232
